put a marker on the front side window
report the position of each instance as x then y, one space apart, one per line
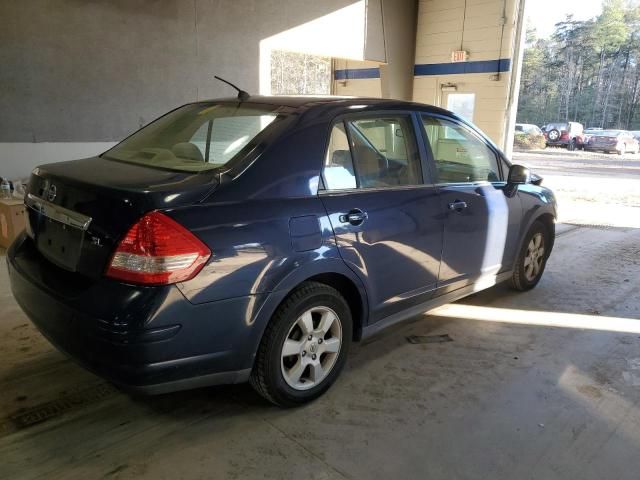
384 152
459 155
196 137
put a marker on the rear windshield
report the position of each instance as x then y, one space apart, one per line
557 126
196 137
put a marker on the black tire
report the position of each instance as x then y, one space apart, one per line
267 376
520 280
571 146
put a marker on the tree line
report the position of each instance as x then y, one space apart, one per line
586 71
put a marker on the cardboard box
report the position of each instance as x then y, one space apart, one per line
12 220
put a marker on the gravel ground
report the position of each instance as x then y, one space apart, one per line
592 188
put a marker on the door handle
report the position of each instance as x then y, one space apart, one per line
458 206
354 217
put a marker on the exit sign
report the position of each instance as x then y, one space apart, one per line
459 56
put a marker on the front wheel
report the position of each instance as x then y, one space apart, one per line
532 259
304 347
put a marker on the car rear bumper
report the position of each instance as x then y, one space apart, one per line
601 148
151 340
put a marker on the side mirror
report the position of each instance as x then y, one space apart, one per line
519 175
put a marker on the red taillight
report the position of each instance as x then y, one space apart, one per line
564 135
157 251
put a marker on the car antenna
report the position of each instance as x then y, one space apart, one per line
242 95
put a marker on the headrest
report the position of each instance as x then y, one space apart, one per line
187 150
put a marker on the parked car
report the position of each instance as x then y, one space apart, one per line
235 240
613 141
528 136
528 129
588 133
636 134
564 134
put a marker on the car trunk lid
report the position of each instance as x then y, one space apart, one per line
78 210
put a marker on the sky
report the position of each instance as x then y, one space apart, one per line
544 14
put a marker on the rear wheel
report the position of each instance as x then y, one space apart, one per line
304 347
532 259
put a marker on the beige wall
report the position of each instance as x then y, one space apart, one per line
490 102
367 87
443 26
391 29
487 30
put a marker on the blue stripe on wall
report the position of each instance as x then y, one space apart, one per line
356 73
484 66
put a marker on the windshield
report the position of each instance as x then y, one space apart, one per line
196 137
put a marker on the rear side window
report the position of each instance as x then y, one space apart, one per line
384 152
459 155
372 152
557 126
338 164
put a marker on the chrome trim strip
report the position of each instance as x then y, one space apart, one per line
57 213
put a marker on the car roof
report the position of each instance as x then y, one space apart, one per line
331 102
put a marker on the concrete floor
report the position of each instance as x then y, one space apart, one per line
538 398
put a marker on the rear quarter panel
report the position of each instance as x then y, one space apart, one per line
252 249
255 256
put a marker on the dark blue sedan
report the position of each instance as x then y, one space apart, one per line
256 238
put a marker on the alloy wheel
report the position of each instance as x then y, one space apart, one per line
311 348
534 258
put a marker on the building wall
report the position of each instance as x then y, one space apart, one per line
392 75
357 78
79 75
88 72
487 30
